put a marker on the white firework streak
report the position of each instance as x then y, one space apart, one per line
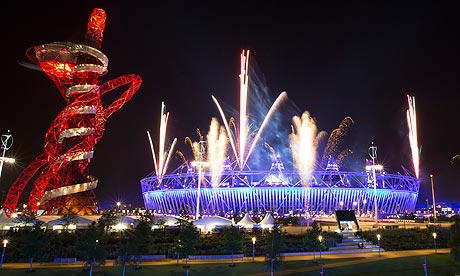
161 163
413 141
217 145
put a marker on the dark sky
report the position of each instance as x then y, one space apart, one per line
334 59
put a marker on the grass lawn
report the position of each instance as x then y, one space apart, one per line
437 264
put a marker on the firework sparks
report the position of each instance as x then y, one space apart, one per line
217 145
239 139
303 142
455 159
212 151
161 163
412 124
335 141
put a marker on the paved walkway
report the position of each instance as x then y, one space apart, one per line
363 258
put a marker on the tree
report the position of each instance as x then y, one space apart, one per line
232 241
69 218
134 243
454 242
141 240
311 239
107 220
124 250
32 242
274 244
26 218
89 245
187 240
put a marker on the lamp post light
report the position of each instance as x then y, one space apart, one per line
378 240
94 258
118 205
178 251
434 202
434 240
200 165
364 207
7 141
5 242
253 247
374 167
320 238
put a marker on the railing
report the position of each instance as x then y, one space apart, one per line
64 260
216 257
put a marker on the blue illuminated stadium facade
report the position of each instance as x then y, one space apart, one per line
280 192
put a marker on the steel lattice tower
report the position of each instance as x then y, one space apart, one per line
60 174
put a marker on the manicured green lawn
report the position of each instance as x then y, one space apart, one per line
439 264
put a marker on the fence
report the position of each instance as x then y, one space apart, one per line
216 257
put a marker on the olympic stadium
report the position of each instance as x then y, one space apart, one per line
218 184
280 192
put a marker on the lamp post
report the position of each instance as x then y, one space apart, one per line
253 247
118 206
94 259
5 242
7 141
434 240
364 207
434 202
320 238
378 240
374 167
200 164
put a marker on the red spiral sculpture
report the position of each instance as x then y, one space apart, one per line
60 173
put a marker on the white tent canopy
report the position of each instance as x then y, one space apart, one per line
246 221
267 222
209 223
56 222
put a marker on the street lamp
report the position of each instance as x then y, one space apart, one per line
378 239
118 205
434 202
7 141
374 167
364 207
5 242
434 240
320 238
94 258
200 165
178 249
253 247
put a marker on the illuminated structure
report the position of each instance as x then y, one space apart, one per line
61 179
256 192
230 186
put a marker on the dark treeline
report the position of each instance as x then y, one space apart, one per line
33 242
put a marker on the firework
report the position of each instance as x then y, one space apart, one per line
303 144
239 139
217 145
335 140
161 163
412 124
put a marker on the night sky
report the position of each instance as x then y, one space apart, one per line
334 59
